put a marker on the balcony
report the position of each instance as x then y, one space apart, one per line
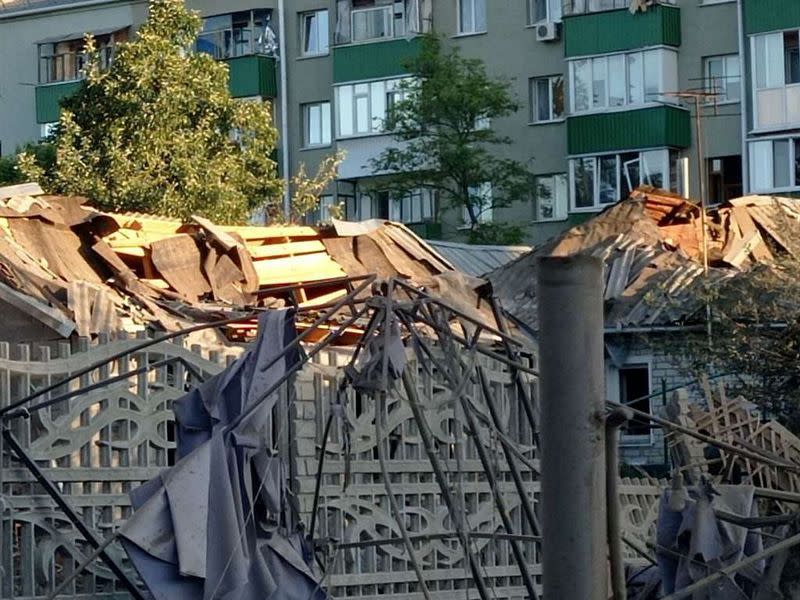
49 96
618 30
377 60
253 75
761 16
656 127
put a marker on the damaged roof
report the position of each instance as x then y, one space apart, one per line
652 248
75 269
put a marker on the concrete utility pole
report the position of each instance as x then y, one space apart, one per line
574 551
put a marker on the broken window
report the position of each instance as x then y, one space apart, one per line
634 389
481 201
724 178
550 197
63 59
547 98
238 34
605 179
372 23
314 32
542 11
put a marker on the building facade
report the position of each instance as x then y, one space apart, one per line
606 93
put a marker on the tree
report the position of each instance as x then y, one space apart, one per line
159 132
441 119
42 155
754 337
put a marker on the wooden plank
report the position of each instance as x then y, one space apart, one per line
285 249
296 269
417 250
79 302
222 237
341 249
325 298
179 262
132 251
21 189
741 248
764 219
248 232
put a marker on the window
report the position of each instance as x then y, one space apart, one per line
776 64
550 197
622 79
64 60
361 108
634 387
547 98
775 165
238 34
723 78
322 214
314 32
372 23
316 124
597 181
415 207
471 16
481 200
724 178
540 11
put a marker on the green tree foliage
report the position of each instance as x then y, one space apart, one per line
159 132
441 121
42 155
754 338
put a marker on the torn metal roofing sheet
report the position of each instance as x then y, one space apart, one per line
651 245
477 260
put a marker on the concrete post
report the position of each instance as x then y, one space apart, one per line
570 297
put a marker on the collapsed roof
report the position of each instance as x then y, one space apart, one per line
652 247
74 269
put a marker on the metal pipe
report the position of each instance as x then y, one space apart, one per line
573 503
284 94
614 421
444 487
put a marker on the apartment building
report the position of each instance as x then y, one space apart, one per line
599 89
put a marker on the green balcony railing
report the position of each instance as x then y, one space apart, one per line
761 16
374 60
49 96
657 127
253 75
619 30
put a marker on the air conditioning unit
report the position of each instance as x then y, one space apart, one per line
547 32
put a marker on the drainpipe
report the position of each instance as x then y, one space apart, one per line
573 517
744 68
284 93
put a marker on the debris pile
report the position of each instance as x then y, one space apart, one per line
72 269
652 246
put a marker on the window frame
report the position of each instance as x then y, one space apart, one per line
473 6
620 171
792 156
485 215
667 72
551 7
613 374
709 83
533 99
305 112
376 123
558 215
381 8
314 14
